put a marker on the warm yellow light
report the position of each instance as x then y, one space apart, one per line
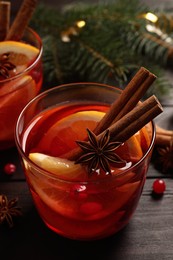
80 24
151 17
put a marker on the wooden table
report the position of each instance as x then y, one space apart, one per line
148 236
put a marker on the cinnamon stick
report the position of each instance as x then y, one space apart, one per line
136 119
128 99
22 19
121 123
163 137
129 124
4 19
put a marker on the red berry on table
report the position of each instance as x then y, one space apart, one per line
9 168
159 186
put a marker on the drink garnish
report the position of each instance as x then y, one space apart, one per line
98 153
164 162
5 66
21 20
15 57
58 166
4 18
121 123
8 210
15 33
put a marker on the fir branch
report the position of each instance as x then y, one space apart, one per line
165 22
109 48
51 63
163 49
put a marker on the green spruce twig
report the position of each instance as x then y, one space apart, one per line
113 43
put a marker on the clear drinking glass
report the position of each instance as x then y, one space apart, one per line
71 202
17 90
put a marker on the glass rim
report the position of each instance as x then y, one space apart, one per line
36 60
54 176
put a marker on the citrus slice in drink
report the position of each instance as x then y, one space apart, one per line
61 137
11 104
19 54
65 169
144 137
102 204
74 199
57 193
131 150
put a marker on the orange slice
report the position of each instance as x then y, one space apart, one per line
19 53
145 138
67 202
131 150
113 200
57 194
79 204
11 104
62 136
60 167
125 193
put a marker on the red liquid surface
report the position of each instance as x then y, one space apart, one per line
87 207
14 95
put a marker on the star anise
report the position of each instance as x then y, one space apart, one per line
8 210
166 157
5 65
99 153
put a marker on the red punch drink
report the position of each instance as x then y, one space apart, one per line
20 80
72 201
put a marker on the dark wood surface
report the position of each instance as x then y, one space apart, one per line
148 236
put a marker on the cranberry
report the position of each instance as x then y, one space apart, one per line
159 186
9 168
